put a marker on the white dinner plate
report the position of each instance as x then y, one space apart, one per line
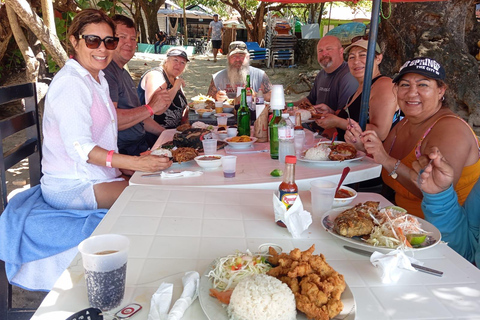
432 240
215 310
360 155
223 114
241 145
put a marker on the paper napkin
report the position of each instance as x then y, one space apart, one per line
162 298
182 174
295 218
390 264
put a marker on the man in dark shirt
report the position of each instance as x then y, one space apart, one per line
334 84
132 117
161 40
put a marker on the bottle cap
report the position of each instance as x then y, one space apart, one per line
290 159
290 104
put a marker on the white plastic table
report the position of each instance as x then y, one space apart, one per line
253 170
177 229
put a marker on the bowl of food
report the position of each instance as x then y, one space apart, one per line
204 113
241 142
222 134
344 197
210 161
227 108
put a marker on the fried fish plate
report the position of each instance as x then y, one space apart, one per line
356 221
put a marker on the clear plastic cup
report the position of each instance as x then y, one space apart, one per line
323 193
229 165
232 132
209 146
222 121
105 262
218 106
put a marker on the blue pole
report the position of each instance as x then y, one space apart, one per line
372 40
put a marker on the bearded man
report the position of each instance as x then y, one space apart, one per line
225 82
334 84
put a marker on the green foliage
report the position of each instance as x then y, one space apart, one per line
107 6
52 65
13 60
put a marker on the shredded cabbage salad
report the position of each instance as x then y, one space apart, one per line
230 270
391 228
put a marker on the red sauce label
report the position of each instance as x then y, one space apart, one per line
288 198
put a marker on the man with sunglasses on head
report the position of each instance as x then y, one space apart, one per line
334 84
225 82
134 119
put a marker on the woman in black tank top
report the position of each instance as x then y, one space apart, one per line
383 109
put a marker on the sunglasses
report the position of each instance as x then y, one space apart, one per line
355 39
93 42
240 46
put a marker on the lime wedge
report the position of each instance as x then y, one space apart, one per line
276 173
416 239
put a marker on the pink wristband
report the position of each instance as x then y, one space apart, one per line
109 158
149 109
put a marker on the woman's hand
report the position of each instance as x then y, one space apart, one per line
327 121
353 135
179 82
221 95
153 163
437 175
323 108
374 146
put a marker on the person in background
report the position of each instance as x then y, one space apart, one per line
161 39
383 110
334 84
458 224
225 82
133 117
215 32
420 90
167 77
80 162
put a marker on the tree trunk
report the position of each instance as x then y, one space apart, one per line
150 9
33 21
47 15
5 31
31 63
437 30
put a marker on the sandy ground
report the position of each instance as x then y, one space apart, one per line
197 77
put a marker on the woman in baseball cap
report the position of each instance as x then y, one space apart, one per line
420 89
167 76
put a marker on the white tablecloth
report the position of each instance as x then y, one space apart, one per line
177 229
253 170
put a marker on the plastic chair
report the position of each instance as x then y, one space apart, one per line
288 55
31 149
258 53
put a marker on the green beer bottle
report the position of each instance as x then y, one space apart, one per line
243 116
273 132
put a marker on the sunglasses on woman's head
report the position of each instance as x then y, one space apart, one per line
355 39
93 42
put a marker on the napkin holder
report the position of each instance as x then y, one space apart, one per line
295 218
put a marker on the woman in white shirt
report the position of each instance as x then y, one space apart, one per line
80 157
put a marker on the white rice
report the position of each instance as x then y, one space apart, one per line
262 297
162 152
319 152
305 114
199 125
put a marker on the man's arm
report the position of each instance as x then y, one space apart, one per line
129 117
153 126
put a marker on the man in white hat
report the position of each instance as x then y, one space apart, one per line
225 82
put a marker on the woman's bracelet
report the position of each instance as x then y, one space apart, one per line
149 110
108 162
394 173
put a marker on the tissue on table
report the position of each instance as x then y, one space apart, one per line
390 264
162 298
295 218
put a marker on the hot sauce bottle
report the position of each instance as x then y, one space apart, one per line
288 189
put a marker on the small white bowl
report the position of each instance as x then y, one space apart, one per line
207 162
227 109
222 135
342 202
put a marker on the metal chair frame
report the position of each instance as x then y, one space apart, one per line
31 149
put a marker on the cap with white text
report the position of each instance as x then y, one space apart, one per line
427 67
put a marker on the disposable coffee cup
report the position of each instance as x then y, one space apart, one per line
105 263
323 193
277 98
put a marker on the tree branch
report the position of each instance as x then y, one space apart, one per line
49 40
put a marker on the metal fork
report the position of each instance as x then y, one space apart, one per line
348 116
